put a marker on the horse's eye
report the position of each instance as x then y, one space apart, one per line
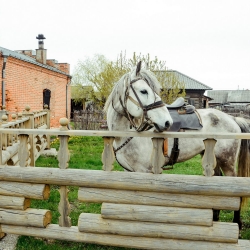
144 92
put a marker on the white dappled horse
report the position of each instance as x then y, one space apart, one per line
135 104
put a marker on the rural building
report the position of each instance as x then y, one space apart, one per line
29 78
233 102
236 98
194 89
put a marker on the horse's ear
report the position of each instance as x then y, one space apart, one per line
138 68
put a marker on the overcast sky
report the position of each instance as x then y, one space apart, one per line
208 40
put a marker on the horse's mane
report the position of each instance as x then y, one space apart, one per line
115 91
118 86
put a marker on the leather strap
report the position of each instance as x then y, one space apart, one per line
174 154
165 147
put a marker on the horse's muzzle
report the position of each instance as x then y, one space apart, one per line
161 128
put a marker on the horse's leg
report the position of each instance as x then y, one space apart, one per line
237 218
216 213
228 170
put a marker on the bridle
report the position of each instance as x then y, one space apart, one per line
146 123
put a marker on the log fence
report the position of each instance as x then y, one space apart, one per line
32 145
139 210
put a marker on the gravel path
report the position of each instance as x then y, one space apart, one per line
8 242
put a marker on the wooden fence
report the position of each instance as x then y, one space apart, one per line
139 210
89 120
11 147
241 111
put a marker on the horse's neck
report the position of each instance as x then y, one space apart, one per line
117 122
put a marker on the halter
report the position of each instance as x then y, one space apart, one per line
146 124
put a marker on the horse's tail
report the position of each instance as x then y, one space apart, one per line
244 154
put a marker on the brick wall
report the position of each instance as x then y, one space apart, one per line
25 83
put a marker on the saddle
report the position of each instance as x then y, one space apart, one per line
184 116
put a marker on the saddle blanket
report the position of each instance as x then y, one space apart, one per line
185 121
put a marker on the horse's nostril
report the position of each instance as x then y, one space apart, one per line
167 124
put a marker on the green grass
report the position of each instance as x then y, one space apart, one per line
85 153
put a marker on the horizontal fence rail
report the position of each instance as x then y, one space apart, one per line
131 134
188 184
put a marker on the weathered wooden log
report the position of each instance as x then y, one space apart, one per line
13 160
171 183
53 231
157 157
108 156
172 215
13 149
219 232
30 217
9 152
12 202
23 150
1 233
208 159
63 159
64 208
28 190
97 195
5 157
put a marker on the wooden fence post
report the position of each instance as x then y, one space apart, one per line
157 157
4 136
14 118
108 156
1 149
63 157
23 150
208 159
47 121
30 125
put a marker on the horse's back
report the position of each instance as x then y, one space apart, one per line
214 120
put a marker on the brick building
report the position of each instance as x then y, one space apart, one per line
29 78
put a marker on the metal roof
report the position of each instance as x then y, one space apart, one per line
218 96
228 96
190 83
7 52
239 96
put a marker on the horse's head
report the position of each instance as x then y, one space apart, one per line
143 103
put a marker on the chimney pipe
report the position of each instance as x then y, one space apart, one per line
41 53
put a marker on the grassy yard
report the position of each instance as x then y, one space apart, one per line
86 154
